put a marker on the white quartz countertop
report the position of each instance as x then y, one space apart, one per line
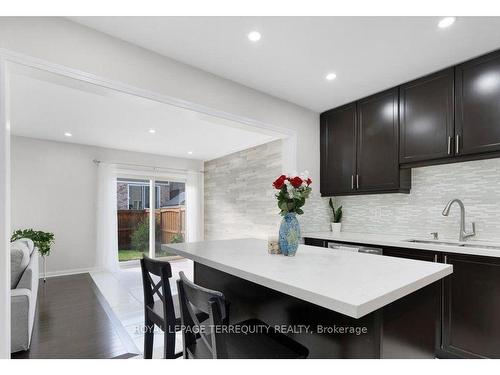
480 247
350 283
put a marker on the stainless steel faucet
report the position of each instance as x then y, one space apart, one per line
463 235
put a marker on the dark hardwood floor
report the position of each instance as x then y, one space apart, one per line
73 320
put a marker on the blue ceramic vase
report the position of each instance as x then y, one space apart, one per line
289 234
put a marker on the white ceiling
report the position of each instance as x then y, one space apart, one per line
368 54
46 105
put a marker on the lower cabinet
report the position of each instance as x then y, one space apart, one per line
428 256
470 303
469 318
471 307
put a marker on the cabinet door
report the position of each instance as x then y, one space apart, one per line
478 105
377 158
427 118
427 256
471 310
338 150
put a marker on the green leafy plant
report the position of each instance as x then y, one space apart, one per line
140 237
42 240
293 192
336 213
177 238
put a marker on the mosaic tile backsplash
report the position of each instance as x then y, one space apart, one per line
235 210
476 183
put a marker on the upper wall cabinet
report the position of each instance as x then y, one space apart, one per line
338 150
377 153
477 116
427 127
449 116
359 148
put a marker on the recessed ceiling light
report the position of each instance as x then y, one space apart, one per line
446 22
254 36
331 76
152 131
68 134
190 152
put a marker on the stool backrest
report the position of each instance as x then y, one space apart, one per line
161 289
212 303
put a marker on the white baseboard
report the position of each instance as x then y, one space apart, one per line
74 271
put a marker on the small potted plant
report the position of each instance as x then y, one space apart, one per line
42 240
336 218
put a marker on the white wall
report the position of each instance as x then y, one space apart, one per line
64 42
54 188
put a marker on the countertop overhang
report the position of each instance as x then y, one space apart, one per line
402 242
354 284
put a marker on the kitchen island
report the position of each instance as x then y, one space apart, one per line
338 304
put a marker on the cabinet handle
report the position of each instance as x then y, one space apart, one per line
435 258
446 259
352 182
457 144
449 145
357 181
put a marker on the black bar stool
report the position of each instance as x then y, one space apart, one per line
164 312
250 339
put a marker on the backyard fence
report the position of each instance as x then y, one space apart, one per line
170 223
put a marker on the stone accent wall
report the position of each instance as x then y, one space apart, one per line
239 197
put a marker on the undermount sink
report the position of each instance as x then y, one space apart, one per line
461 244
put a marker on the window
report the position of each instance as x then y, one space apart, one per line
133 197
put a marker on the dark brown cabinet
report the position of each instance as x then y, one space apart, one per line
468 324
338 150
427 256
377 144
359 148
450 116
471 308
468 320
477 119
427 126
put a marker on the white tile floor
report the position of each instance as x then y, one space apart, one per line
123 291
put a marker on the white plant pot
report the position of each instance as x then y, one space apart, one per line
336 227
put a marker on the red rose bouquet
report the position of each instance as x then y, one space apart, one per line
293 192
